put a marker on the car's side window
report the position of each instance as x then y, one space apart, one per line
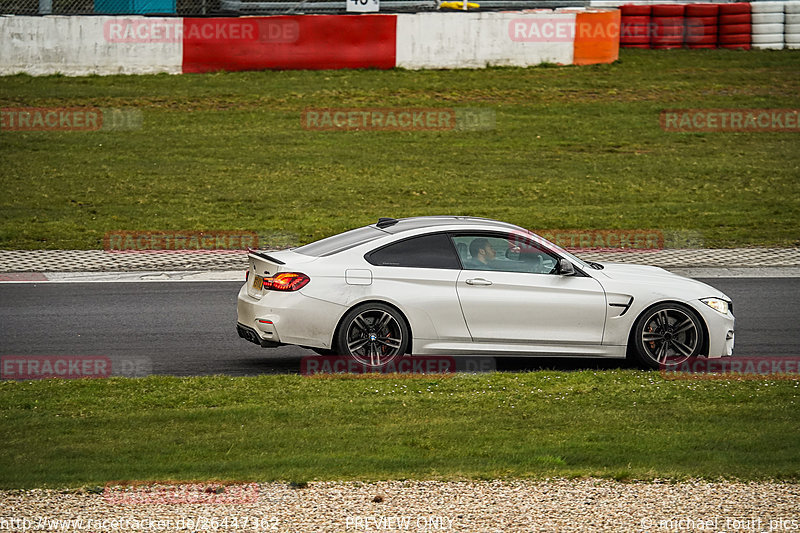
425 251
507 253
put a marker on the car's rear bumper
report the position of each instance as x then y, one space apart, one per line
280 318
250 334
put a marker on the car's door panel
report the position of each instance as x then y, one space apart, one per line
536 308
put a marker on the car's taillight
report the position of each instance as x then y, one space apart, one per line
246 276
286 281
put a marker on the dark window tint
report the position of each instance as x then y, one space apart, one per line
341 242
427 251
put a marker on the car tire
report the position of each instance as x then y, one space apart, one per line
768 46
373 334
735 29
766 18
734 8
668 10
702 10
702 21
635 10
766 7
761 29
666 335
791 7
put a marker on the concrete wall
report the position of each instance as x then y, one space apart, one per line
141 45
78 46
477 40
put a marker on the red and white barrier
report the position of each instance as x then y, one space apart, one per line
289 42
129 45
771 24
636 26
668 26
702 23
734 25
767 20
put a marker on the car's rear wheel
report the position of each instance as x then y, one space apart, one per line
374 334
667 335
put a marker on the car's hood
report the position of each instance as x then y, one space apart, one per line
650 275
624 271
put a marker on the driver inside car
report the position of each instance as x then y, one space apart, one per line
483 253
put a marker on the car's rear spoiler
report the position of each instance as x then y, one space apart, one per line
259 253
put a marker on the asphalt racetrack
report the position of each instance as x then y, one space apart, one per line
189 328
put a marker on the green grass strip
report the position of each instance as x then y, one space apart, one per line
573 147
620 424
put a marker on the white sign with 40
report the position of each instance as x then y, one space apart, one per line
363 6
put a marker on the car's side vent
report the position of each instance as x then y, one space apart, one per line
624 307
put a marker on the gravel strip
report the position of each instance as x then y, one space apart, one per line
487 506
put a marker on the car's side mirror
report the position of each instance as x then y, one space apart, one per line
565 268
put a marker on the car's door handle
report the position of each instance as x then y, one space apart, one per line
478 281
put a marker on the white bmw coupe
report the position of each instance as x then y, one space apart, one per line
454 286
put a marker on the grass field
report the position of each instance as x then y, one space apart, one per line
620 424
572 148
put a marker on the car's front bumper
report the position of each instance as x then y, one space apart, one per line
721 332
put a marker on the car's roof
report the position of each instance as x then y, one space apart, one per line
393 226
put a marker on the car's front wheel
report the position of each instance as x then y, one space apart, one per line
374 334
666 335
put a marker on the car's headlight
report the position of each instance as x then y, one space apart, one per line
717 304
